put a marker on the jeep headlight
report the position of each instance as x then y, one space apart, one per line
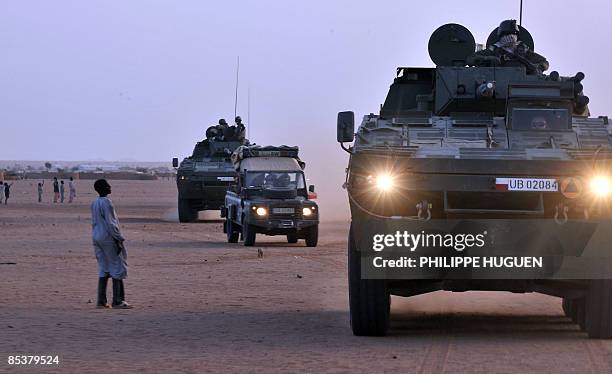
308 211
261 211
600 186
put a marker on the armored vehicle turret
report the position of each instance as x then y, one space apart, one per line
481 173
203 177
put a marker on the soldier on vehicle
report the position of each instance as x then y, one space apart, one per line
212 132
222 129
240 129
513 52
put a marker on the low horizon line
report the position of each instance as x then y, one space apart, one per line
30 160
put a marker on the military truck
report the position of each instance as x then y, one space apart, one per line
270 197
203 177
482 144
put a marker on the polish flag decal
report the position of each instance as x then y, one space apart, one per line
501 184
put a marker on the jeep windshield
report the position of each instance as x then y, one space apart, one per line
290 180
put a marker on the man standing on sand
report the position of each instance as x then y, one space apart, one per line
108 245
7 192
1 191
62 191
55 190
40 191
72 190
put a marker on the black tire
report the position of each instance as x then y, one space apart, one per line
570 308
292 238
599 309
187 213
248 235
566 305
232 233
312 236
369 299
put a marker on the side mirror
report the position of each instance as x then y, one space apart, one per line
175 162
346 127
312 195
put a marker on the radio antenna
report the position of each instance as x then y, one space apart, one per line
236 95
249 112
521 15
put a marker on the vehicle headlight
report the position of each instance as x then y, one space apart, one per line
308 211
384 182
261 211
601 186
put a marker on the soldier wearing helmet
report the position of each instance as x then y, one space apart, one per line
212 132
240 129
513 52
221 129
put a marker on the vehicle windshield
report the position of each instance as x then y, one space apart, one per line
540 119
276 179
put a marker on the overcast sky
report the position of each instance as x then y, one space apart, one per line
141 80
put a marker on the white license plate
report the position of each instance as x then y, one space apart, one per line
225 179
283 210
526 184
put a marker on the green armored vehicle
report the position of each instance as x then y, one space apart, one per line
482 173
203 177
270 197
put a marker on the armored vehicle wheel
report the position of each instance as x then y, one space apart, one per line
599 309
369 299
292 238
248 235
186 211
232 233
312 236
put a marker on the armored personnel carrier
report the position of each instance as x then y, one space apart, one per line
481 173
203 177
270 197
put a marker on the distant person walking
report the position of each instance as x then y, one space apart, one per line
40 191
55 190
72 190
7 192
62 191
108 245
1 192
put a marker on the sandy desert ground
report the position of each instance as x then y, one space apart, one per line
202 305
